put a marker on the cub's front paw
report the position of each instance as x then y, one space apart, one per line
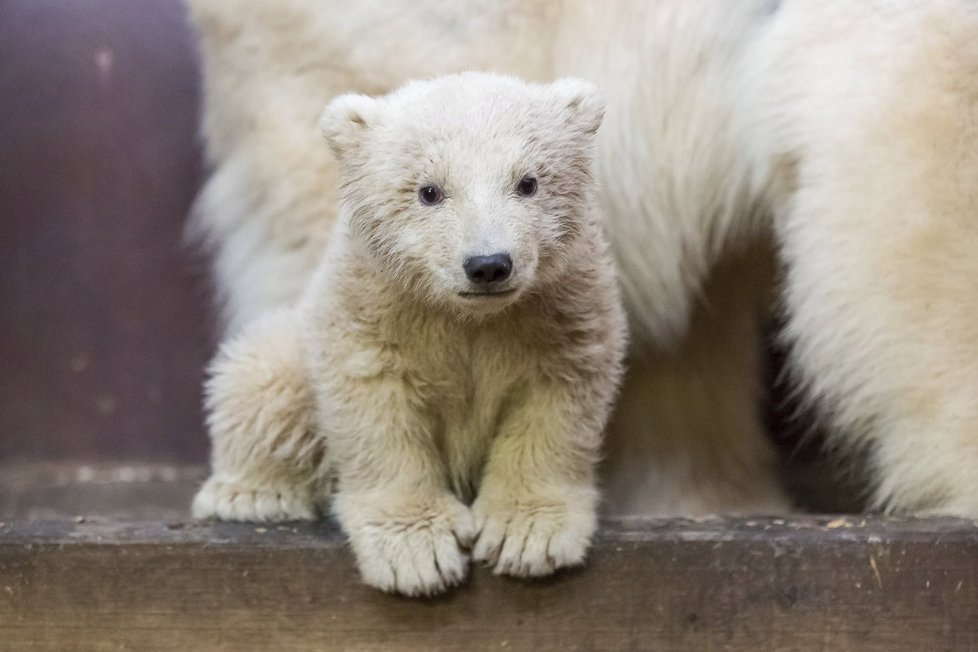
235 501
532 536
412 547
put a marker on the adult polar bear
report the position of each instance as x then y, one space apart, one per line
847 130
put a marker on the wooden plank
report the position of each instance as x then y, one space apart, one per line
804 584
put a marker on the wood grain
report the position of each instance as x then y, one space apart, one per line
813 584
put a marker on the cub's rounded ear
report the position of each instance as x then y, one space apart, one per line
346 119
580 103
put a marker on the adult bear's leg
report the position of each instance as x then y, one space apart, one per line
676 188
871 116
687 438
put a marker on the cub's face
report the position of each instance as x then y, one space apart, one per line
469 189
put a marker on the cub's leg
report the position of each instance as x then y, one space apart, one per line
536 508
268 462
879 228
405 526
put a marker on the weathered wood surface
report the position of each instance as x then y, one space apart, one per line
809 584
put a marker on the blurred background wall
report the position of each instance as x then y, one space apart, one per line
104 312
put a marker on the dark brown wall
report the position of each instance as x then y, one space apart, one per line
104 314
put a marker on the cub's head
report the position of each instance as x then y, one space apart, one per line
470 189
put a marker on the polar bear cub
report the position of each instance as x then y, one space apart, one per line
463 337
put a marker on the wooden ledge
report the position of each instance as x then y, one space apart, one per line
799 584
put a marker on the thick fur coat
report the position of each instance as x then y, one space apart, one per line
429 387
842 133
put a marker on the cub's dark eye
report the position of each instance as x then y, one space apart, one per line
430 195
527 187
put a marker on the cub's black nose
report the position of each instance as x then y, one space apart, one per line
494 268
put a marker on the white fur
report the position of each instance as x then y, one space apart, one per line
428 396
258 384
872 168
846 129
